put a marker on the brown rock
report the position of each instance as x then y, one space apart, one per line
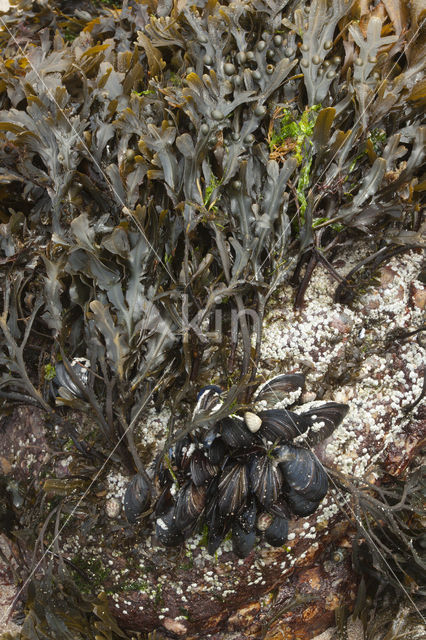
5 466
175 626
419 297
243 615
315 593
387 274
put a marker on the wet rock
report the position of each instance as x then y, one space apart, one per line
174 626
291 590
418 297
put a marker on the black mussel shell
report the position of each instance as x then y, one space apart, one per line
277 532
212 491
212 499
242 541
265 479
303 472
247 517
208 399
190 502
165 478
236 435
280 425
137 497
323 420
233 488
280 508
218 527
276 388
166 530
164 502
201 468
184 449
300 505
216 452
63 379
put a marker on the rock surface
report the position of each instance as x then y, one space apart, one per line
359 355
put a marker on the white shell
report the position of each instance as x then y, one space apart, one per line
263 521
252 421
112 508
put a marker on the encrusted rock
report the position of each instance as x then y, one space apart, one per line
292 590
175 626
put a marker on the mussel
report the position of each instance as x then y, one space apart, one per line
164 502
218 527
280 507
136 497
236 435
280 425
284 384
303 472
277 532
190 502
80 367
242 541
208 399
216 451
183 452
233 488
323 420
265 479
247 517
167 531
300 505
201 469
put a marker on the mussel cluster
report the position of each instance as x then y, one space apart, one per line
244 475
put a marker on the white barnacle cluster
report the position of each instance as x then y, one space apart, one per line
377 417
152 430
116 485
318 337
288 400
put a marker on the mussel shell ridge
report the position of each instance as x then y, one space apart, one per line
280 425
265 479
236 435
233 488
280 386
